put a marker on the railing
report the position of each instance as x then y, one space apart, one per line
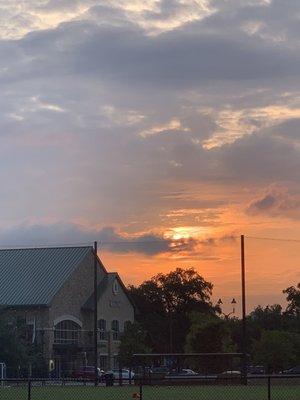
116 335
67 337
103 335
264 387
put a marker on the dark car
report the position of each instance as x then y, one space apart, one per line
292 371
88 372
256 370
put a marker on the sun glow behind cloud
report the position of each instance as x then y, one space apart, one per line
187 232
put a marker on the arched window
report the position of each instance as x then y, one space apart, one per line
102 329
115 327
67 332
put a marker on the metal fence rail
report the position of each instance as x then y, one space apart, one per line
266 387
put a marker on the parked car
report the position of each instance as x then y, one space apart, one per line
256 370
2 370
230 375
292 371
159 372
124 374
185 372
88 372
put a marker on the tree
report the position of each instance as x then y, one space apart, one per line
165 303
277 350
134 340
12 348
17 351
268 318
209 334
293 298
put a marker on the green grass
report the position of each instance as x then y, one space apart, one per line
291 392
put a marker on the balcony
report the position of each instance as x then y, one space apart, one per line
67 339
105 336
116 336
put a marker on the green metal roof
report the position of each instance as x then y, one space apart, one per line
33 276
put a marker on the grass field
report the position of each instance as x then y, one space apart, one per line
291 392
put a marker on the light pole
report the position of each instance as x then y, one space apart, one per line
233 302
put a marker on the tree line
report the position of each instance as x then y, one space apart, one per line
175 314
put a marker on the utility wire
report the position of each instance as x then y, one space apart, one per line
273 239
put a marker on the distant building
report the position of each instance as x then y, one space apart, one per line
51 290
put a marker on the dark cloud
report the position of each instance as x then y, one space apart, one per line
261 157
276 201
174 60
108 238
265 203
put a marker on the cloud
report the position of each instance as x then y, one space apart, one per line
173 125
276 201
233 124
110 239
19 18
60 234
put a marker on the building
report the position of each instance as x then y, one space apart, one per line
52 291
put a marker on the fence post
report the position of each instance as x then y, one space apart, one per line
29 389
269 388
141 390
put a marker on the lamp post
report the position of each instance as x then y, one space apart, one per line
226 316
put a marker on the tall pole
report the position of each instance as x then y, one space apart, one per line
95 314
171 332
244 332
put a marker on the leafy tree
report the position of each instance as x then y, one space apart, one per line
269 318
293 298
165 303
12 348
277 350
17 351
209 334
134 340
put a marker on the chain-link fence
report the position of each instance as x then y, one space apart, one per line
272 387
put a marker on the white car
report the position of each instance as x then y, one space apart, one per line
182 373
125 374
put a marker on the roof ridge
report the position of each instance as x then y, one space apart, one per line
45 247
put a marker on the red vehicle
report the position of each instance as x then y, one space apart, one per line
88 372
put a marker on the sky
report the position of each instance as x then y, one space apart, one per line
163 129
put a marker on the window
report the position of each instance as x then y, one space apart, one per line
116 362
103 362
67 332
115 327
102 329
115 287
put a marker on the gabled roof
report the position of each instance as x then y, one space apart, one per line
106 282
31 277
